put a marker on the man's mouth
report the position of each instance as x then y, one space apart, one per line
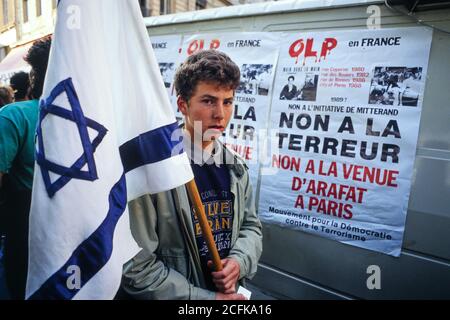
216 127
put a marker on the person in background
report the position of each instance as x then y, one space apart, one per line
20 83
6 96
18 122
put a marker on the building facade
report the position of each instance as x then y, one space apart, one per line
22 21
162 7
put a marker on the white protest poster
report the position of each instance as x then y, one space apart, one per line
346 111
256 55
167 52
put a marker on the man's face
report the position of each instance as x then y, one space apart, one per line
210 104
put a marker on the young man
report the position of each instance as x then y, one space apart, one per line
174 262
18 123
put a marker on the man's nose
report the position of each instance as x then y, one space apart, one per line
219 111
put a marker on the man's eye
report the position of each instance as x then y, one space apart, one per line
207 101
228 103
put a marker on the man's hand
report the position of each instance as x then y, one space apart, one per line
226 279
231 296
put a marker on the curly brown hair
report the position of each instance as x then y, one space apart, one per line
206 66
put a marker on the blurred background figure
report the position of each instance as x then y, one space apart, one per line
20 83
18 123
6 95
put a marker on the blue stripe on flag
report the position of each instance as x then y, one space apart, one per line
92 254
150 147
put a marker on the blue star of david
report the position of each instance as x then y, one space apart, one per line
76 115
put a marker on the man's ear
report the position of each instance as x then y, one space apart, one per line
182 105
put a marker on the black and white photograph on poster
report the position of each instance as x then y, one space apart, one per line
301 86
290 90
396 86
167 72
255 79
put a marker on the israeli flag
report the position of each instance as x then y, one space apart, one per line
103 138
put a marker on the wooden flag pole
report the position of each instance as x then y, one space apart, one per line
204 225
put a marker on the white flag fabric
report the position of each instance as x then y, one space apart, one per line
103 138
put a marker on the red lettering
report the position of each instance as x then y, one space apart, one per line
347 171
246 152
311 187
195 46
313 201
310 167
336 209
296 49
341 191
296 183
299 47
332 170
392 178
215 44
332 191
321 188
332 206
373 175
328 45
322 206
347 209
299 202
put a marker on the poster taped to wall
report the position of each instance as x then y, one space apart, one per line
345 117
166 49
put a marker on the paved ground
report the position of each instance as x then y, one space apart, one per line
257 294
3 291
